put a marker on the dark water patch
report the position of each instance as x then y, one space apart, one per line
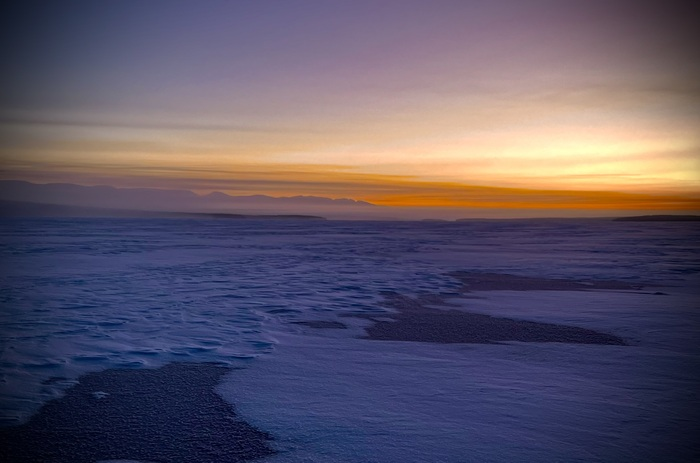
472 281
322 324
170 414
416 322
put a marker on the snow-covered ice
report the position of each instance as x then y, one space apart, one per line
86 295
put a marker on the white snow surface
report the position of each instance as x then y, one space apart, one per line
83 295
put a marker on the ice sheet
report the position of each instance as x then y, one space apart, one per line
87 295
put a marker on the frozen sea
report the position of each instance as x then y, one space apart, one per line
88 295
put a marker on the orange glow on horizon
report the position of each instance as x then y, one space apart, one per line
382 190
510 198
614 203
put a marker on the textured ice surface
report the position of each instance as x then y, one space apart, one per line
89 295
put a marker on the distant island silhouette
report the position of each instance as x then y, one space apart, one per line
29 209
26 199
20 197
660 218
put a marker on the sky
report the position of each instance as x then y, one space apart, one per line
580 106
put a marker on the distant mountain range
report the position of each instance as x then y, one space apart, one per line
27 209
20 198
660 218
151 199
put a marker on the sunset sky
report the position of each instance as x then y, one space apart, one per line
577 105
